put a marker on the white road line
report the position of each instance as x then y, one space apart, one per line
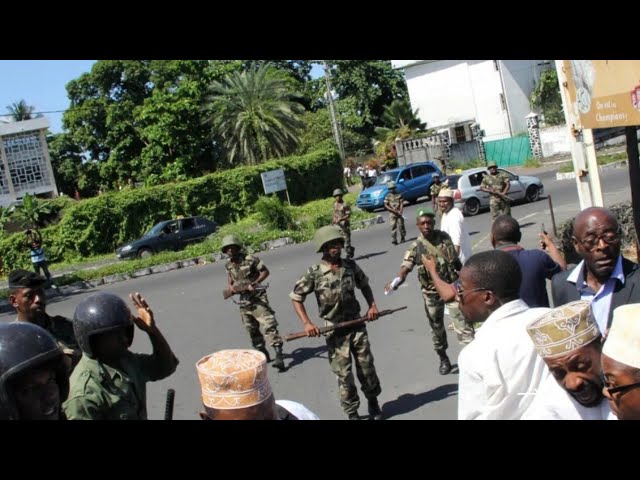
488 234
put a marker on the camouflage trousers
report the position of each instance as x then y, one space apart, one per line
397 222
346 234
464 331
434 308
341 347
259 314
499 207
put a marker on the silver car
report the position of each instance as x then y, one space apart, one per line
469 198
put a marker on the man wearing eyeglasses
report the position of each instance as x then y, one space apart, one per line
500 370
621 363
603 276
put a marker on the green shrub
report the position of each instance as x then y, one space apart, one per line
273 213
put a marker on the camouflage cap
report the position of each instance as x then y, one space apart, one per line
25 279
564 329
232 379
492 164
425 211
623 341
337 192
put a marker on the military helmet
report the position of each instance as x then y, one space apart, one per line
391 185
436 175
492 164
100 313
230 240
337 191
326 234
24 345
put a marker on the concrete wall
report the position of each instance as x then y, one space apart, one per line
464 152
519 78
554 141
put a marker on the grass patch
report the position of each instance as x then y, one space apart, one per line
566 167
615 157
532 163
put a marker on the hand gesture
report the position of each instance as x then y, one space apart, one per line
429 262
144 320
545 240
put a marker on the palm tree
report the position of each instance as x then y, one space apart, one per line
256 114
399 121
21 111
32 212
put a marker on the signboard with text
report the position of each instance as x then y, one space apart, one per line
273 181
604 93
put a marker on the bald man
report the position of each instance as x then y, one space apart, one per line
603 276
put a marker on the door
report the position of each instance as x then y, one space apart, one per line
169 236
189 231
516 192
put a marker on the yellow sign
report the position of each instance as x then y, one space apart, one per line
604 93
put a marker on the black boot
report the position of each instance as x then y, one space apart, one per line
354 416
264 350
445 364
375 411
279 361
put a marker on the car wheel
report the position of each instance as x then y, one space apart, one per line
533 194
472 207
145 253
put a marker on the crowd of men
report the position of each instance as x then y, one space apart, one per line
521 359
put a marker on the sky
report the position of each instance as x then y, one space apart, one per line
41 83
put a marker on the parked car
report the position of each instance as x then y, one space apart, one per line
168 235
468 197
412 181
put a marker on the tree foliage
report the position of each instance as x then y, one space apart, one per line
546 98
20 111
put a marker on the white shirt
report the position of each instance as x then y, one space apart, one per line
453 223
600 300
500 369
297 410
552 402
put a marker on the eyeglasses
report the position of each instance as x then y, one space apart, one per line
622 388
592 241
461 293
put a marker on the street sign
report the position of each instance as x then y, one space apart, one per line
273 181
604 93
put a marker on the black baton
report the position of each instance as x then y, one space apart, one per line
168 409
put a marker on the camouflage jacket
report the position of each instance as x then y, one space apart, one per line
495 182
394 200
246 272
335 291
435 189
341 210
448 262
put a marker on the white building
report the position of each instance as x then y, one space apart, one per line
25 166
453 94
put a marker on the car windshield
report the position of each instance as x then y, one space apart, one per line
155 230
452 181
386 178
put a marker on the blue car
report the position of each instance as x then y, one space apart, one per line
412 182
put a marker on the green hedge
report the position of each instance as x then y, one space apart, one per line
99 225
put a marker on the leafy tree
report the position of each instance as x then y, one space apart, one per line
256 114
20 111
546 98
399 121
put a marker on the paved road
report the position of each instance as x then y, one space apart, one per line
192 314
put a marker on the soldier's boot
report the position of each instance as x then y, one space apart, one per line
354 416
445 364
279 361
350 252
394 241
375 411
264 350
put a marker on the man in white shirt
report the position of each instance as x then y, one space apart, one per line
500 369
568 340
453 223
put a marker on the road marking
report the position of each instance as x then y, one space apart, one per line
489 234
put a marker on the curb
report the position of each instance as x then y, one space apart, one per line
569 175
5 306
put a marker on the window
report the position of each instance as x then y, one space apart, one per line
188 223
476 179
430 169
406 175
511 176
419 171
461 136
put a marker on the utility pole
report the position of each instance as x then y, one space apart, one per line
335 126
582 149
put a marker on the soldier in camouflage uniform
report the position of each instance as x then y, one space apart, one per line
439 244
341 216
334 281
394 204
248 271
436 186
496 184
